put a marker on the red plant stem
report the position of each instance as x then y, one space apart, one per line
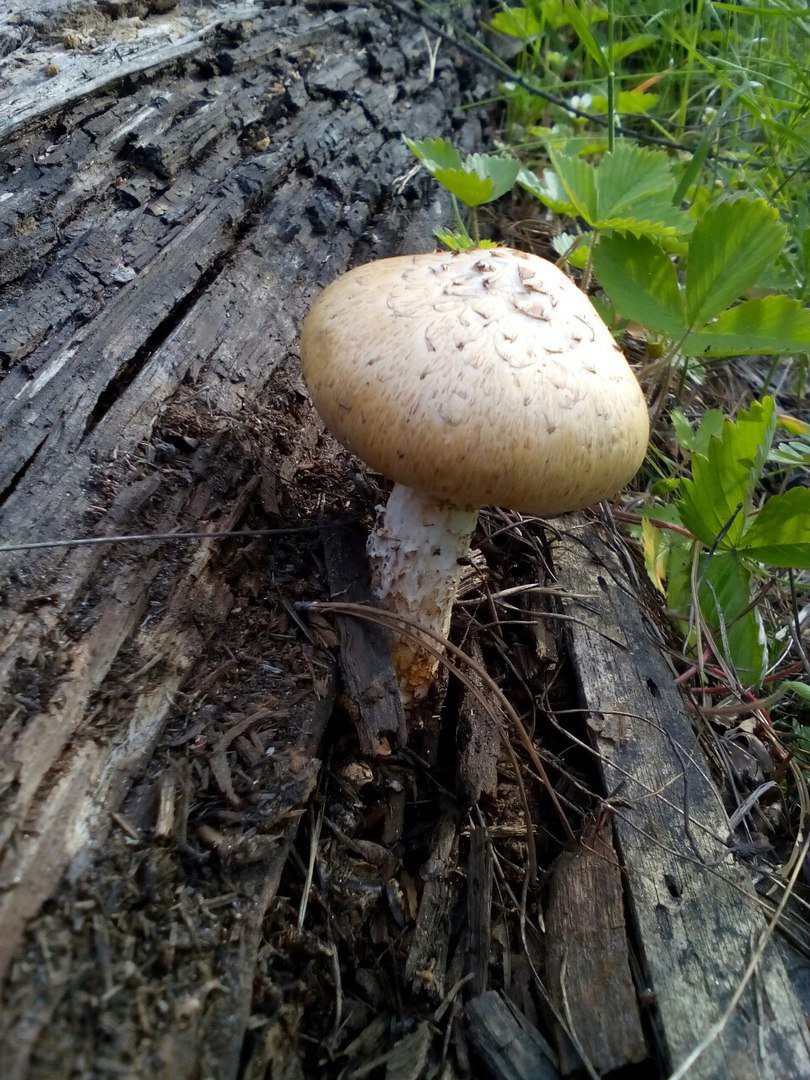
635 519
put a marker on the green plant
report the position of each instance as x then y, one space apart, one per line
478 179
716 545
638 245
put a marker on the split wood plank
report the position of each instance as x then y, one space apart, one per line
365 654
426 965
694 911
587 961
503 1039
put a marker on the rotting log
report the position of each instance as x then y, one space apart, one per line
694 916
503 1040
587 962
177 182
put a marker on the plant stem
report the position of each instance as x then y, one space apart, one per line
611 83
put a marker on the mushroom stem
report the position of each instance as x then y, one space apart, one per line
415 554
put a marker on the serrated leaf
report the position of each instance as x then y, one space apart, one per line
771 326
697 441
780 533
630 190
435 153
636 185
548 189
481 179
501 171
731 246
716 500
725 593
557 13
455 239
468 188
641 281
578 181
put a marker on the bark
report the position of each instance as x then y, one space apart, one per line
178 181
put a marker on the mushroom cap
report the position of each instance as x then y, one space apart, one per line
482 377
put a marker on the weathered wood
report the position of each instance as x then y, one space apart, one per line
479 909
161 235
426 964
509 1047
59 72
587 962
477 737
365 656
693 908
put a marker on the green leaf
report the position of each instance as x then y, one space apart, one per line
557 13
731 246
725 592
481 178
455 239
632 102
795 453
501 171
630 45
800 689
630 190
469 188
583 32
771 326
679 581
634 192
641 281
516 22
578 181
697 441
716 500
435 153
658 544
548 190
780 532
576 250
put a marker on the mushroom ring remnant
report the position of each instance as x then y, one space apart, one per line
470 378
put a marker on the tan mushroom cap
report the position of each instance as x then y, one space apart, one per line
482 377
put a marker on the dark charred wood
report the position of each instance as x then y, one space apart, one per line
479 909
365 658
505 1043
178 180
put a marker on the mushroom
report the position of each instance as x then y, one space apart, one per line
470 378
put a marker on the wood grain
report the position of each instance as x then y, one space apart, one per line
172 198
693 909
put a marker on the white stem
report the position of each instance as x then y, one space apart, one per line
414 553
